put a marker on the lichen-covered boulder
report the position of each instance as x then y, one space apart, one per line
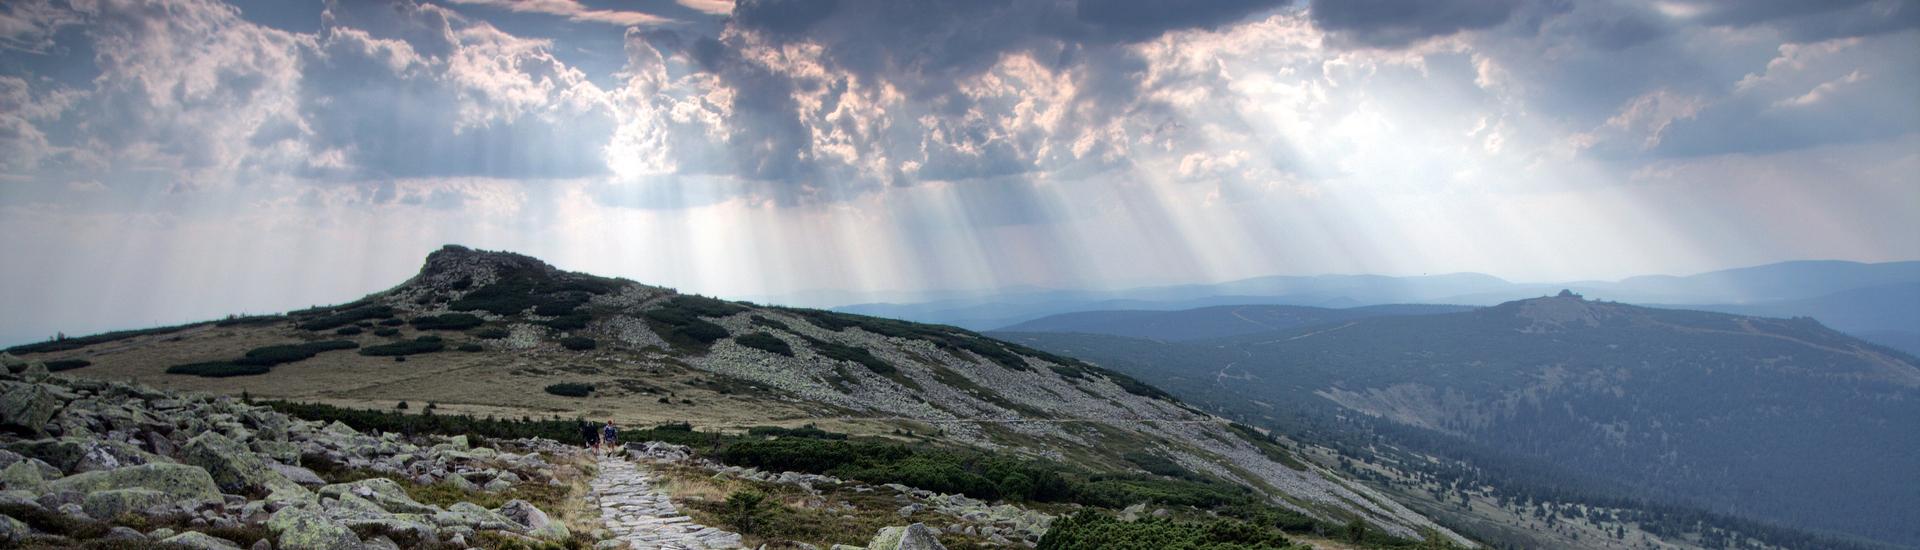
467 514
27 408
298 528
22 476
298 475
12 530
911 537
113 503
407 532
180 482
233 467
75 455
382 491
201 541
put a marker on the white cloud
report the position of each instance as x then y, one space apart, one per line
574 10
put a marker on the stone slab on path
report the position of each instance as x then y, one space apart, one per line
643 517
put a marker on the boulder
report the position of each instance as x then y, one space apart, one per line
122 533
553 532
467 514
27 408
113 503
525 513
36 372
201 541
12 530
382 491
75 455
409 533
233 467
911 537
180 482
297 528
22 476
298 475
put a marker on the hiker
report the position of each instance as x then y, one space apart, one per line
589 435
609 435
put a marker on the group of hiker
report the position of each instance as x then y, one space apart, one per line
603 438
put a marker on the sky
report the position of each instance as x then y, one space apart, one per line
164 161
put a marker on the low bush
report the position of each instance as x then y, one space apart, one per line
471 347
346 317
349 330
450 321
63 343
571 389
1091 530
249 320
762 321
218 369
765 342
386 332
490 333
392 322
571 321
578 343
808 431
289 353
58 365
423 344
851 353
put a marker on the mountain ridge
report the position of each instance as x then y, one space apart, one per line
480 332
1688 407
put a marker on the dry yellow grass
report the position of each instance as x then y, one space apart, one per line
497 382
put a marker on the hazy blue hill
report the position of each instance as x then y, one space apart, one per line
1894 307
1777 419
1212 322
984 310
1779 281
1907 341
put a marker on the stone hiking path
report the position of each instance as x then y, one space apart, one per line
643 517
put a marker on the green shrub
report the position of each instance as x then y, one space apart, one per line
744 510
65 344
851 353
808 431
762 321
423 344
578 343
765 342
248 321
349 330
58 365
550 293
490 333
386 332
392 322
471 347
450 321
347 317
288 353
571 389
571 321
1091 530
218 369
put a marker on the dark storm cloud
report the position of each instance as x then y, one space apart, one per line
1811 21
926 50
1397 23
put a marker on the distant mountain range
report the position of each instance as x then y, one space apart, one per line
1565 399
1873 300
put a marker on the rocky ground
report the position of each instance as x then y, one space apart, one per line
98 464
